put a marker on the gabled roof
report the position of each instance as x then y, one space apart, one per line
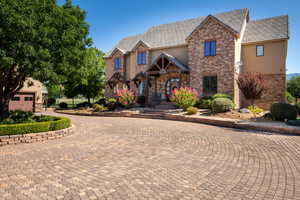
115 50
267 29
174 34
211 17
171 59
140 42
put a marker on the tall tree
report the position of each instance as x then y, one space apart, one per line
88 80
293 87
39 39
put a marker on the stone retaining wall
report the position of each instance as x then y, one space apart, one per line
34 137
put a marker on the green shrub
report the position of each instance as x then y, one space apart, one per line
44 118
102 102
255 109
221 105
220 95
290 99
141 100
19 116
293 122
126 97
35 127
204 103
63 105
184 97
297 105
99 108
112 104
283 112
191 110
85 104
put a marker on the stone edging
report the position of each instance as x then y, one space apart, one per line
229 123
35 137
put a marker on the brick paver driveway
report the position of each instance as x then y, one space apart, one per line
125 158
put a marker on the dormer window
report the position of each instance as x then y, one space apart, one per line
118 63
210 48
141 58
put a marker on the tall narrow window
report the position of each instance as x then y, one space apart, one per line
117 63
260 50
210 84
210 48
141 58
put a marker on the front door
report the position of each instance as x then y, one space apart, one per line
171 84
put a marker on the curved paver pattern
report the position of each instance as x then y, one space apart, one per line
126 158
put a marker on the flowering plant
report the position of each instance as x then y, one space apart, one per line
184 97
126 97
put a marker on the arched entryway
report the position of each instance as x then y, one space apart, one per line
171 84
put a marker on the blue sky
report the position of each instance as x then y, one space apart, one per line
110 21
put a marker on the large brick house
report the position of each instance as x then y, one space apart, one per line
206 53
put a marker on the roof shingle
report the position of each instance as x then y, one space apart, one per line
173 34
267 29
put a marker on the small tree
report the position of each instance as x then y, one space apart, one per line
252 86
293 87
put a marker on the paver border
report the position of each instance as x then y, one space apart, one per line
229 123
35 137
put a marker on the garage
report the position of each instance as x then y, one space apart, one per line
23 101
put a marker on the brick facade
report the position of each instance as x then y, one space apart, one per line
232 57
276 86
221 65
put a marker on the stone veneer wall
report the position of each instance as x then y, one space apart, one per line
221 65
276 86
35 137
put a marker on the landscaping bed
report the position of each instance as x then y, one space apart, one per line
20 122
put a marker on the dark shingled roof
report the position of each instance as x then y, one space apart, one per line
175 33
267 29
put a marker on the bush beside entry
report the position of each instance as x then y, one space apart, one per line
204 103
35 127
283 112
184 97
126 97
220 95
221 105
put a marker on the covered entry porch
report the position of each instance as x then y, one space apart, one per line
164 75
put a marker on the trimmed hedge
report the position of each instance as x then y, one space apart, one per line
283 111
35 127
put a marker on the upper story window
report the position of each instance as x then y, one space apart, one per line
260 50
210 48
118 63
141 58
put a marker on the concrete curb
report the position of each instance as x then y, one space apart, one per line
35 137
229 123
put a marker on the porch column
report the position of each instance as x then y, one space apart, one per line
147 90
